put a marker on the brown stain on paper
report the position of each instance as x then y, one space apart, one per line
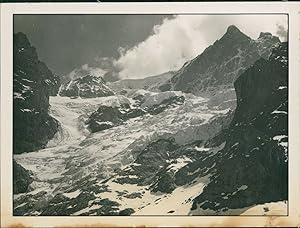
19 225
236 221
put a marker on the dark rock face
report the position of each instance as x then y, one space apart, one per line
53 85
28 66
150 164
252 167
33 203
21 178
33 83
107 117
153 157
60 203
86 87
221 63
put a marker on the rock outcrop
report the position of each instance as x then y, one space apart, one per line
33 83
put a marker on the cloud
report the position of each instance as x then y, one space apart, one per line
281 32
172 43
106 63
183 37
83 70
100 66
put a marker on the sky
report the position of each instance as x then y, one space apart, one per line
132 46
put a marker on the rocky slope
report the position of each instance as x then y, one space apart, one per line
221 63
88 86
252 167
33 83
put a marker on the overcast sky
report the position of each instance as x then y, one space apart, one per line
135 46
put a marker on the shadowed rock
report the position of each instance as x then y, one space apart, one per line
252 167
33 83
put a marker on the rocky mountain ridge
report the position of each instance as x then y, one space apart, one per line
89 86
221 63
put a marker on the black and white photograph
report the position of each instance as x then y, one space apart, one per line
163 115
150 114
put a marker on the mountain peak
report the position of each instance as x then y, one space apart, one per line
89 86
234 32
232 28
21 40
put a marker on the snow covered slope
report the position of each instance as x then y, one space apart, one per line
86 167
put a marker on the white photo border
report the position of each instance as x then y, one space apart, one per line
8 10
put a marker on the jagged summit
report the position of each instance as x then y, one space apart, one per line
87 86
92 77
233 32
